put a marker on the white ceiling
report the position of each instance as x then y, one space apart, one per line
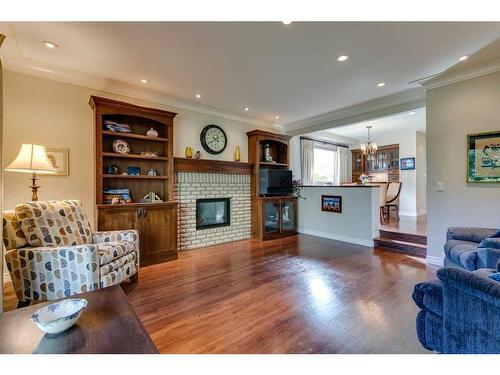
274 69
402 122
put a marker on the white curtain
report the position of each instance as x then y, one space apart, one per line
343 170
307 160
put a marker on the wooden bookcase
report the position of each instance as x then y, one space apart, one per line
157 221
276 216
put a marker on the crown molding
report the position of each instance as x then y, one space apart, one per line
450 77
381 107
69 76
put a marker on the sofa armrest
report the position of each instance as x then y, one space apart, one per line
48 273
470 312
131 235
471 234
429 296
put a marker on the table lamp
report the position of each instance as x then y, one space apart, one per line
32 159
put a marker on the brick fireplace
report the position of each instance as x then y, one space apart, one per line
193 187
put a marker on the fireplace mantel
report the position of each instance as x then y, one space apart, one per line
211 166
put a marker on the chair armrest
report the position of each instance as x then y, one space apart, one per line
47 273
470 312
471 234
131 235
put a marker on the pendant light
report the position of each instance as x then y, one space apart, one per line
369 148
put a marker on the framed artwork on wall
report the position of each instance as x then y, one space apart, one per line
59 158
331 203
407 164
483 157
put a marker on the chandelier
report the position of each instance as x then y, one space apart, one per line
369 147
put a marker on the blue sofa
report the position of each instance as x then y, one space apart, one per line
472 248
460 311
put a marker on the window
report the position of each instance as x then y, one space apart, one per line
324 165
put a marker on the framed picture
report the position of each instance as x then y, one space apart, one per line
59 158
407 164
331 203
483 157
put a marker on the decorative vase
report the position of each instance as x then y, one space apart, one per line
267 153
237 156
197 155
189 152
152 133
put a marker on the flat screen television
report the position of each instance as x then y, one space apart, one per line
275 182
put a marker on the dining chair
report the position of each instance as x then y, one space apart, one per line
392 198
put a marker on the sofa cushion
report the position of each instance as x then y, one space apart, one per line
495 276
54 223
462 252
450 244
496 234
472 234
110 251
13 236
492 243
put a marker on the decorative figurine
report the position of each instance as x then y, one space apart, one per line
121 147
267 153
188 152
150 153
112 169
151 197
237 156
152 172
152 133
133 171
197 155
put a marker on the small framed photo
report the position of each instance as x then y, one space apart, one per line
483 157
59 158
331 203
407 164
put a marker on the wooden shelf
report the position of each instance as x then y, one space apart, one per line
273 164
140 177
134 136
139 204
133 156
211 166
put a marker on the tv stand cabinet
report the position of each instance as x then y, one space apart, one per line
272 216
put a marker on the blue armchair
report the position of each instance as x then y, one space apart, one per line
460 311
472 248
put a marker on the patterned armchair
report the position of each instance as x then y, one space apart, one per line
52 253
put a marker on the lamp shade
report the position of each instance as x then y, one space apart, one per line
31 159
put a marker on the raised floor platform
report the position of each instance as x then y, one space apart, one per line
409 235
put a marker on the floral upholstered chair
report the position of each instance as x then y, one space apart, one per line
51 252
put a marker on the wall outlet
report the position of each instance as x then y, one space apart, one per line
440 186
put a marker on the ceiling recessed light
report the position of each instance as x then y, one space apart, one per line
198 96
412 113
246 109
342 58
381 84
50 45
278 126
286 22
463 58
277 117
144 80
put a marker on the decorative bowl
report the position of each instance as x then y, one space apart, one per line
58 317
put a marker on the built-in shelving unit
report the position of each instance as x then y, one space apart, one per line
156 221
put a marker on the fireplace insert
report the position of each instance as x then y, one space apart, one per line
212 213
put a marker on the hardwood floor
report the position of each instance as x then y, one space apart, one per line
300 294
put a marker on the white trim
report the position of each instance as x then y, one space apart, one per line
376 108
74 77
408 213
450 77
353 240
435 261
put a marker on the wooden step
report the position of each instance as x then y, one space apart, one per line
411 248
405 237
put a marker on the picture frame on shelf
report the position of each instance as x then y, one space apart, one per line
331 203
59 158
407 164
483 157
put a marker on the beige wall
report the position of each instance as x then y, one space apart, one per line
453 111
58 116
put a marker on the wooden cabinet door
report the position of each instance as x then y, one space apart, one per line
119 218
159 228
289 215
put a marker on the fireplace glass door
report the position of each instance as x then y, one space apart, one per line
213 212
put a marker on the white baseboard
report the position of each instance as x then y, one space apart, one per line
435 261
407 213
331 236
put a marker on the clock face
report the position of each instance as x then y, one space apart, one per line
213 139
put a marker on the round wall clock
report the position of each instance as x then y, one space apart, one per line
213 139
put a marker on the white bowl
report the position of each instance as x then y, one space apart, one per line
58 317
